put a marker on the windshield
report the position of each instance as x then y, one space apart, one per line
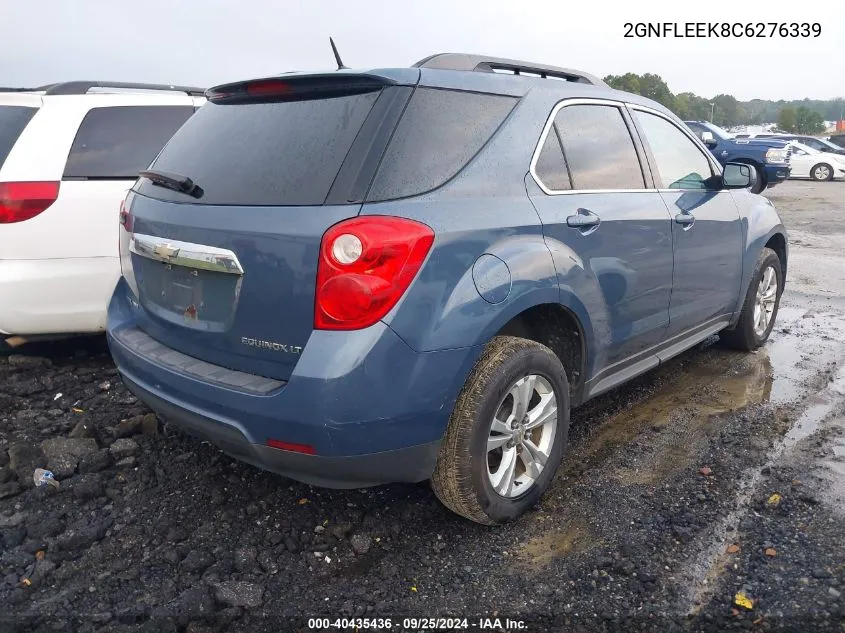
717 131
828 144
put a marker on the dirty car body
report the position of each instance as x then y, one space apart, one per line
247 315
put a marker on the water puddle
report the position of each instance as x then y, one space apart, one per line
696 388
713 558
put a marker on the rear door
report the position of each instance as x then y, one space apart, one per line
706 227
598 200
227 272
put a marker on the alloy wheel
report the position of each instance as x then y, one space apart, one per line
764 307
521 436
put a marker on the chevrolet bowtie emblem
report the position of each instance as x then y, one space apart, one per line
165 250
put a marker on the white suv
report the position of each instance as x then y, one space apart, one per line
68 154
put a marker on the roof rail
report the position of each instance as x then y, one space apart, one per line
482 63
82 87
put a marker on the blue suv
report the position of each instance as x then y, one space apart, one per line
392 275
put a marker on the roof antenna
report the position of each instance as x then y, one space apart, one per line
340 65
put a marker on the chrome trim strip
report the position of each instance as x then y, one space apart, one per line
535 157
187 254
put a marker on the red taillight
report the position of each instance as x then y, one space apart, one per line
306 449
21 201
366 265
125 217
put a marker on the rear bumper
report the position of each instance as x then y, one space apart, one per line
411 464
373 409
56 296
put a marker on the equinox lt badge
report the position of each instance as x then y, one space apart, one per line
276 347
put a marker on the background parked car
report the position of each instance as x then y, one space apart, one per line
837 139
68 154
818 144
809 163
770 158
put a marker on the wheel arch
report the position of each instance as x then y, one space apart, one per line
559 328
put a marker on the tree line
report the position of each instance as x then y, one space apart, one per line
805 116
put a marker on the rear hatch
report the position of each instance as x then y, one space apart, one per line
224 233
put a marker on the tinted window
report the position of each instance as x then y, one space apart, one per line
13 120
598 148
697 129
276 153
119 142
439 133
551 166
679 161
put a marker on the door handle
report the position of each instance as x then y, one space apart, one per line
685 219
584 219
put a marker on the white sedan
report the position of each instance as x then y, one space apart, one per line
807 162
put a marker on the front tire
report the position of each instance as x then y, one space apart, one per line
760 308
821 172
507 434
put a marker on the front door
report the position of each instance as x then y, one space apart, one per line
706 227
608 231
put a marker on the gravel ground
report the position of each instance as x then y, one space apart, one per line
704 496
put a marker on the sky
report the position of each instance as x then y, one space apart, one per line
207 42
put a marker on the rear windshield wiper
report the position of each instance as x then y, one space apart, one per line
169 180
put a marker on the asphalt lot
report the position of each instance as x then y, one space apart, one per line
708 495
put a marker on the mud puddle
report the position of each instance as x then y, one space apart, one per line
713 558
679 408
638 436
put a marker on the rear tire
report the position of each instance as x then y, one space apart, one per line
762 300
493 438
821 172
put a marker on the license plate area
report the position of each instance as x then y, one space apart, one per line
190 297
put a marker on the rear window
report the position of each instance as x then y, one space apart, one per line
439 133
118 142
277 153
13 120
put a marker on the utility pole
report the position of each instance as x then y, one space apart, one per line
712 105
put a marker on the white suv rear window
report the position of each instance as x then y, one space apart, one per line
118 142
13 120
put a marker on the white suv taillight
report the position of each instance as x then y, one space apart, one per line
21 201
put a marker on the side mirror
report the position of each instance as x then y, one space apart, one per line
707 139
739 176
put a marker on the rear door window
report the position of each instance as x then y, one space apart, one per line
13 120
551 167
598 148
118 142
438 135
276 153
